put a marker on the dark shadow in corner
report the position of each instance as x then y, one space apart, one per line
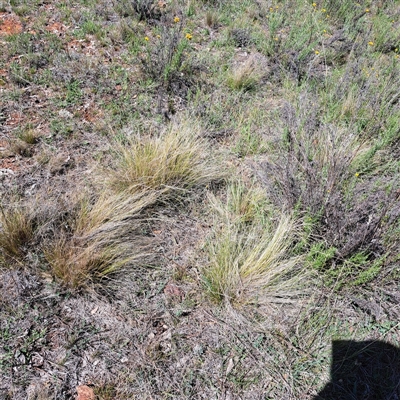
367 370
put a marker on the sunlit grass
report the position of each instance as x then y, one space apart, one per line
16 231
250 260
177 160
105 237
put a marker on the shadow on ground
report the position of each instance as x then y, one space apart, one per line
367 370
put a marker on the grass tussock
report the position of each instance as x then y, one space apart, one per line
243 205
178 160
250 260
105 237
244 77
16 231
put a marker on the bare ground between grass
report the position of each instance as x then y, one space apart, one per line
147 334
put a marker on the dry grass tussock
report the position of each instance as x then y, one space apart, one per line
176 161
245 76
250 262
16 231
105 237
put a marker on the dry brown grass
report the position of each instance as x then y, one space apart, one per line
16 231
29 136
245 76
106 236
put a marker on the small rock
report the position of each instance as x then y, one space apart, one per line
198 349
6 171
65 114
85 393
167 335
94 311
228 396
36 360
230 366
182 362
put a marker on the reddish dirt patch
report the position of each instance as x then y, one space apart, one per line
85 393
56 28
8 163
91 113
9 24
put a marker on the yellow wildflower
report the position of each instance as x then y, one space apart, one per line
367 10
176 19
316 52
370 43
323 10
146 38
314 4
158 36
357 174
188 36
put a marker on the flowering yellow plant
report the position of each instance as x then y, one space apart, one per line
176 19
188 36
